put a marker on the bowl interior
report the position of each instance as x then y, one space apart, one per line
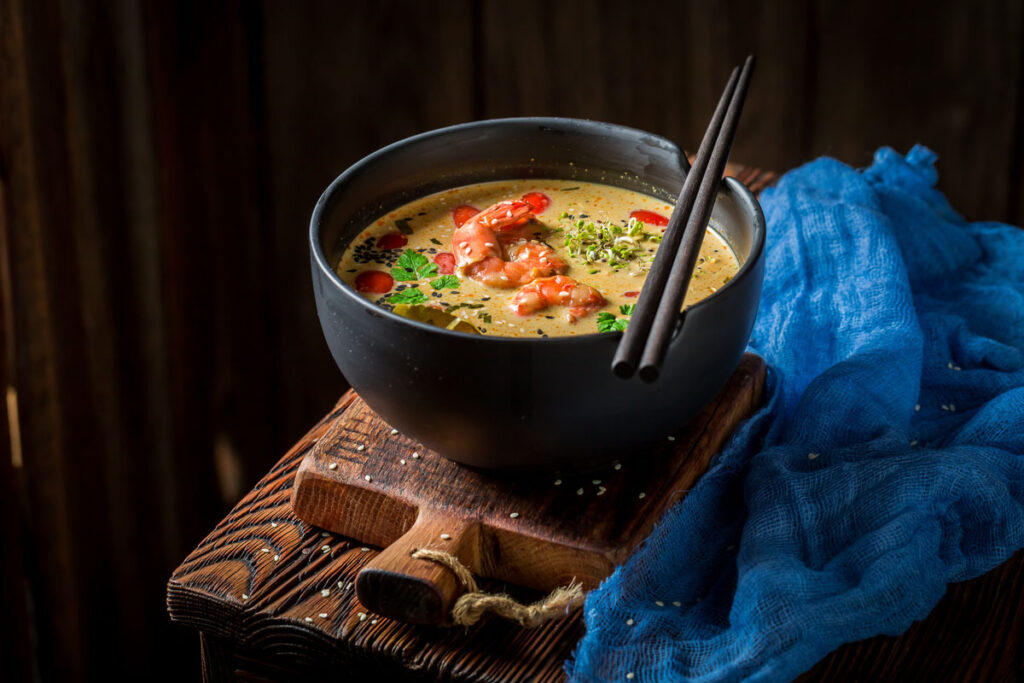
513 148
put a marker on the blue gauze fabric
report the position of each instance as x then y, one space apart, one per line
886 463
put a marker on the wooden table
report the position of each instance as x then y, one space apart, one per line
306 623
974 634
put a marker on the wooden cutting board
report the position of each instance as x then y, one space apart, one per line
541 530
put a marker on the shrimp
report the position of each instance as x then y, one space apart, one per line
480 245
557 291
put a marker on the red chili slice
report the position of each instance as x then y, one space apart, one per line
392 240
374 281
461 214
445 263
538 200
631 294
649 217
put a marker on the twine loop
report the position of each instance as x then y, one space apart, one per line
474 603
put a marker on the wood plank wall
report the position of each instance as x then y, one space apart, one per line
158 165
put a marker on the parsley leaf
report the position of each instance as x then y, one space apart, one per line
445 282
408 296
412 265
605 322
621 324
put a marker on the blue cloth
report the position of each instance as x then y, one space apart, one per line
887 461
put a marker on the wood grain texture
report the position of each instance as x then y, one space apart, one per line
363 482
159 162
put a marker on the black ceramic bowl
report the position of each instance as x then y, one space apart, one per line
499 402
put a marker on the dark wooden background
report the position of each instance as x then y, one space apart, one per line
158 165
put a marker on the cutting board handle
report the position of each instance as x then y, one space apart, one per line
418 591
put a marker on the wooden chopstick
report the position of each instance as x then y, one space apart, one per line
631 346
674 292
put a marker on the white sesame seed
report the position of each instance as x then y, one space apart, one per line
629 622
446 537
309 619
944 406
618 466
245 596
601 490
273 524
333 466
264 550
917 407
952 407
276 558
812 456
364 550
362 616
558 482
957 368
393 432
659 603
508 214
368 478
914 442
579 492
463 244
415 456
402 461
323 615
326 592
671 438
676 603
630 675
325 549
324 534
642 495
513 515
361 447
595 482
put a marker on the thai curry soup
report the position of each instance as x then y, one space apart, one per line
522 258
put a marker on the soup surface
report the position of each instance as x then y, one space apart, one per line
556 258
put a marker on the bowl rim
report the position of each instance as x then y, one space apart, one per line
740 191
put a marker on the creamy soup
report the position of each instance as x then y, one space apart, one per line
522 258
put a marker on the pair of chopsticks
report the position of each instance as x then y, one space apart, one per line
656 315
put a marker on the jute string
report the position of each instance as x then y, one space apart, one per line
474 603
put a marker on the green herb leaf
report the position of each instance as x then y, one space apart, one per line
445 282
412 265
621 324
408 296
627 309
403 226
606 322
436 241
569 189
486 317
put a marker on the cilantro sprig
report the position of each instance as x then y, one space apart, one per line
608 322
412 265
445 282
412 295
